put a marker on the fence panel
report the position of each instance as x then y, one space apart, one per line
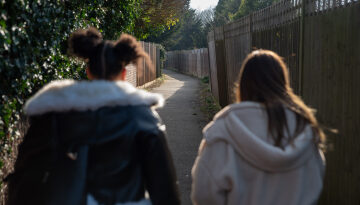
153 60
146 67
331 85
131 74
192 62
140 69
148 71
158 63
220 53
277 28
205 65
237 46
212 65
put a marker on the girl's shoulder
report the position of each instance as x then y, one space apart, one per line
219 129
238 107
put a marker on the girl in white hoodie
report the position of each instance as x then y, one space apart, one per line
264 149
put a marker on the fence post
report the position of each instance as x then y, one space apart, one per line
251 30
221 66
158 62
301 47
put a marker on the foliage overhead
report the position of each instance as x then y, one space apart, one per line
158 16
230 10
189 33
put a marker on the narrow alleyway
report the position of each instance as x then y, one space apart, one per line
184 122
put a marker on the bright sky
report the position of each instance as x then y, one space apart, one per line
203 4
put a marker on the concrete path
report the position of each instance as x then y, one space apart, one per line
184 122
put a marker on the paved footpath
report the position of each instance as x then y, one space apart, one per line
184 122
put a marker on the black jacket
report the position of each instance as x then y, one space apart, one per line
109 149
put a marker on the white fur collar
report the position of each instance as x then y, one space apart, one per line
66 95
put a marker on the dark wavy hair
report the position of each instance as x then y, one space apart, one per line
105 58
264 78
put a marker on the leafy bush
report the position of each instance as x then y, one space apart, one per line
162 55
33 48
205 79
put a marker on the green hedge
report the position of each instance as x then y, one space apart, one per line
33 48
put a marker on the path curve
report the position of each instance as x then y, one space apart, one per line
184 122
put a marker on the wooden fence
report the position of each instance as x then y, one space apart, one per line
143 72
192 62
320 42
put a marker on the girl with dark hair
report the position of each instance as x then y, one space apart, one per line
98 141
264 149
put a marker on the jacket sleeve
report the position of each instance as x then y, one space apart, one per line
51 178
205 190
160 176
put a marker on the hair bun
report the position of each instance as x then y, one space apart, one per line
128 49
83 42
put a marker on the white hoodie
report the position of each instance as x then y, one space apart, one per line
240 165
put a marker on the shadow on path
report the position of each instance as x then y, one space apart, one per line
184 122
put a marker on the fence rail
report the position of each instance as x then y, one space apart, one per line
320 42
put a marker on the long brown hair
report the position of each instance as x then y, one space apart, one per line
264 78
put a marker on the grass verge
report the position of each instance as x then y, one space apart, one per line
208 104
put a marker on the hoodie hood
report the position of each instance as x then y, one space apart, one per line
71 95
245 127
